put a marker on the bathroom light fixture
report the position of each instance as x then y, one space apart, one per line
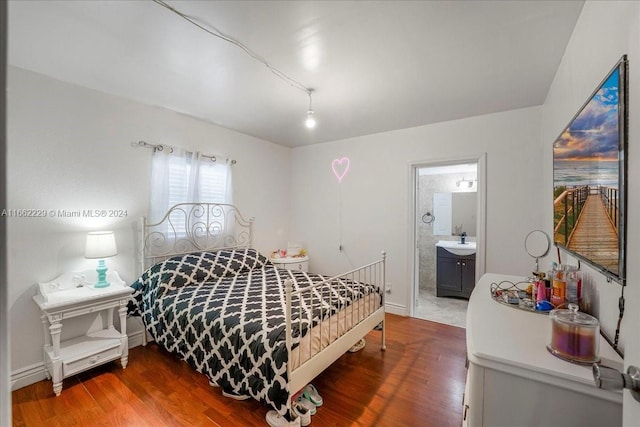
311 121
469 182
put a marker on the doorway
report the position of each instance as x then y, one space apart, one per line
448 201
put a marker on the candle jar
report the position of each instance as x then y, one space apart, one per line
575 336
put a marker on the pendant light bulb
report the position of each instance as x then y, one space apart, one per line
310 123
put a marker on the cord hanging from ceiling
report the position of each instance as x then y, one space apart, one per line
210 29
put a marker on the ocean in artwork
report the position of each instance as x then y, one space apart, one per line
574 173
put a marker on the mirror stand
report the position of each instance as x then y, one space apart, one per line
537 245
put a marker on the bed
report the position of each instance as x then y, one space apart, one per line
254 330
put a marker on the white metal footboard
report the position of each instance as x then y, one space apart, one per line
331 336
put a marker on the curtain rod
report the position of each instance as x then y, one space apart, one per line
161 147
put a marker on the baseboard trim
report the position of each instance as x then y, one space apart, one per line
399 309
28 375
135 339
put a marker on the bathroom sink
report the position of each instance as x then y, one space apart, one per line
457 248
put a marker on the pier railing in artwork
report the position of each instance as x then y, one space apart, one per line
566 211
611 201
568 206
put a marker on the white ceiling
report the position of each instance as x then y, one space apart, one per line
375 66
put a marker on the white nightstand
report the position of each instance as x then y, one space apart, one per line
292 263
72 295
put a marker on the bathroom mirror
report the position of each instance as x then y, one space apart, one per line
455 213
537 244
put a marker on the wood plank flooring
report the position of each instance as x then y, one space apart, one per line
417 381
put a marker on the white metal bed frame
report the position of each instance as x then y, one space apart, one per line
194 227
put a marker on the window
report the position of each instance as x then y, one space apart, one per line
179 176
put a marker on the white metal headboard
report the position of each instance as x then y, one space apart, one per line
194 227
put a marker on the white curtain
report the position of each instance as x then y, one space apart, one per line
180 176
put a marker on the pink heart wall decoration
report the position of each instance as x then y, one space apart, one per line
340 168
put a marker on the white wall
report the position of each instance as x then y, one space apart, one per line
369 211
604 32
69 148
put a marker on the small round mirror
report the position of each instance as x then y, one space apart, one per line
537 244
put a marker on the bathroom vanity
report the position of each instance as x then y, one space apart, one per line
513 380
455 268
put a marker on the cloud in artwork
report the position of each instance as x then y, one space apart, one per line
594 133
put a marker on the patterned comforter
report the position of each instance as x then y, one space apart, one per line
223 313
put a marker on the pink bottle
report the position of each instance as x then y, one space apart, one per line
541 296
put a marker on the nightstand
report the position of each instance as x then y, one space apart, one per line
73 295
292 263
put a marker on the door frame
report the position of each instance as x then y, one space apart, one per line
481 218
5 376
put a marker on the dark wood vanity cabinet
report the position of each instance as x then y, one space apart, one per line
455 274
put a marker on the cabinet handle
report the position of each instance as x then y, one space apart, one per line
464 415
464 263
611 379
299 266
458 263
93 360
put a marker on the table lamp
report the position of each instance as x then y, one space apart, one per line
100 245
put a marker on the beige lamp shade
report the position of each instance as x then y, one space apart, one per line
100 244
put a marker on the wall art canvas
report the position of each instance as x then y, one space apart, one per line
589 173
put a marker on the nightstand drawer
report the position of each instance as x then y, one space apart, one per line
89 361
302 266
95 308
292 263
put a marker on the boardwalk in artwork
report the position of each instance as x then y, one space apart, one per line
594 235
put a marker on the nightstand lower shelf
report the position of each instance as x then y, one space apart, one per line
82 353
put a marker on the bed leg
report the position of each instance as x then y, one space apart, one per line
384 342
144 333
289 405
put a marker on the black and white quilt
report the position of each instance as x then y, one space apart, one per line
223 312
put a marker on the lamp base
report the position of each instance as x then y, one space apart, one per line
102 275
101 284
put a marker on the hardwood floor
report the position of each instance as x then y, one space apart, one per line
418 381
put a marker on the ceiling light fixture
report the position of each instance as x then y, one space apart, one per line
210 29
311 121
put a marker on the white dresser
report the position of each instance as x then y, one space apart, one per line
513 380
